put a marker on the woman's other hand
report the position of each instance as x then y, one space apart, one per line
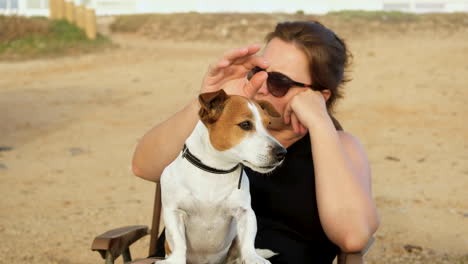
229 72
306 109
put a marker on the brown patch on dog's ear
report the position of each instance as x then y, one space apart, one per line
212 105
268 108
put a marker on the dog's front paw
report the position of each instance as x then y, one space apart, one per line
172 260
255 259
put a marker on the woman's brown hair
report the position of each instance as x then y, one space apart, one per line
327 53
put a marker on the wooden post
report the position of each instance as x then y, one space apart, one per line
60 8
52 9
90 23
70 11
80 16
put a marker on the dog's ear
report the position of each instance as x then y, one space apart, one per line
212 105
268 108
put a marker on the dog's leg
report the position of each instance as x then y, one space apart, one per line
234 256
246 231
174 221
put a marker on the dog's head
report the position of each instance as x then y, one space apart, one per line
237 128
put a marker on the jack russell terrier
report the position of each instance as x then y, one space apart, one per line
205 193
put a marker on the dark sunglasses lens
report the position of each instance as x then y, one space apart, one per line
278 85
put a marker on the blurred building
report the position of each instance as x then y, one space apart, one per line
111 7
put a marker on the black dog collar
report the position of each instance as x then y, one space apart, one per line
197 163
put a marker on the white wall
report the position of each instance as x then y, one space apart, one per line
426 6
26 7
308 6
108 7
336 5
8 7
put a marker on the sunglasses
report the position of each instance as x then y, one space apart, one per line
278 84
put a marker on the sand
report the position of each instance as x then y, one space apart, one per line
72 124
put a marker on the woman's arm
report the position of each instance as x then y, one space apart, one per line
343 187
161 145
342 174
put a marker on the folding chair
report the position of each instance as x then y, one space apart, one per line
116 242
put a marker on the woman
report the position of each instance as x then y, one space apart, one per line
320 199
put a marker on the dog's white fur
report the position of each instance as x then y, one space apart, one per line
205 213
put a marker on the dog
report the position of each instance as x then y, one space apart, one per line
205 193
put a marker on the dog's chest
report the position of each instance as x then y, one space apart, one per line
198 192
208 202
208 220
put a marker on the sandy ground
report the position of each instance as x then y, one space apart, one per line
72 125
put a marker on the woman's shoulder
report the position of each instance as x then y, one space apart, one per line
356 154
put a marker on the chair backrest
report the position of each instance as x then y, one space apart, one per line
156 221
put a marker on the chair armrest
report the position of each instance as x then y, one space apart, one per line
117 241
355 257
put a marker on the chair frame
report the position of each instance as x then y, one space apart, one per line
116 242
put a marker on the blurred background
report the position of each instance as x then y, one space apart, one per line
81 82
113 7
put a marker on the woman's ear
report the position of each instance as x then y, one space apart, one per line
326 94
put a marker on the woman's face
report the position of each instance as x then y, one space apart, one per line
289 60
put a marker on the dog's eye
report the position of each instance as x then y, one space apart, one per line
246 125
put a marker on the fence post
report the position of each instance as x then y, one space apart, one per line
70 11
90 16
73 11
52 9
80 16
59 9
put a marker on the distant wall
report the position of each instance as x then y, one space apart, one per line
25 7
426 6
111 7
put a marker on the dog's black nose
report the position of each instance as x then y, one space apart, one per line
279 153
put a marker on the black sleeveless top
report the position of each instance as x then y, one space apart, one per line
286 208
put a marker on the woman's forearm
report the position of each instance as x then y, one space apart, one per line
161 145
347 211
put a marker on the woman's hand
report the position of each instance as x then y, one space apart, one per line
230 71
306 109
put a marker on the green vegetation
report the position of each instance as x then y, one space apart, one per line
22 37
300 12
382 16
